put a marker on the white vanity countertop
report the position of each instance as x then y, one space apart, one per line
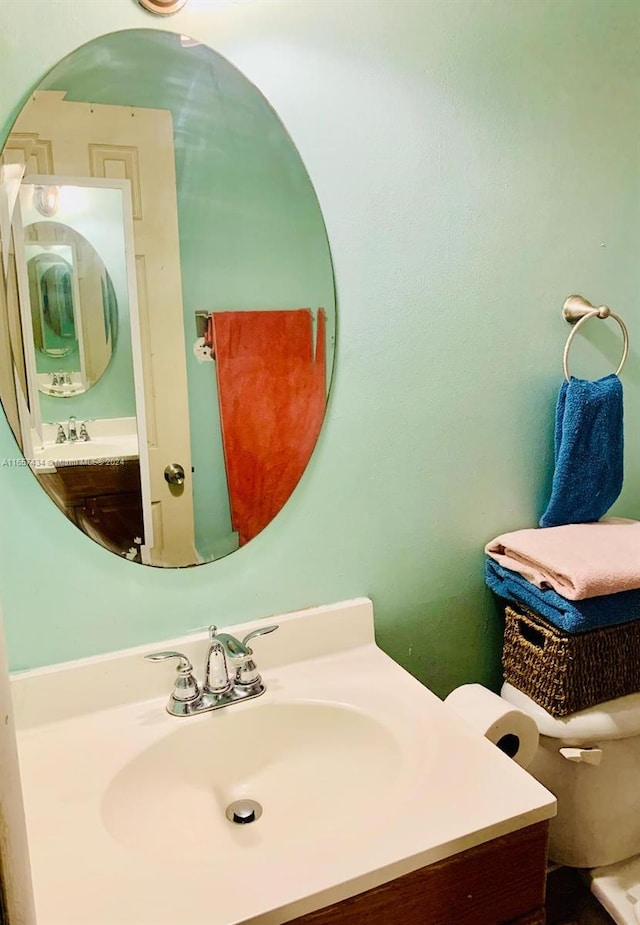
110 438
410 782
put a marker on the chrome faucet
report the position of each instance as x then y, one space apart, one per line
72 431
230 674
60 379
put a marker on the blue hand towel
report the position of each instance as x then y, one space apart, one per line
588 451
572 616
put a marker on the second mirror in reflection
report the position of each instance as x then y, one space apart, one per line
74 312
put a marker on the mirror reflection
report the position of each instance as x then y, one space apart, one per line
52 301
74 313
166 271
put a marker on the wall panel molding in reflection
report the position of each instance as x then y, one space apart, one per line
118 162
29 149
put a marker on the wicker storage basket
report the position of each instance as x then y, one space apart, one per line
565 672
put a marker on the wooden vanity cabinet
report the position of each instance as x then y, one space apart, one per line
104 501
501 882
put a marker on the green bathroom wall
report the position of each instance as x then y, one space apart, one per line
476 163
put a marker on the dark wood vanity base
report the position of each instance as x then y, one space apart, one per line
104 501
499 883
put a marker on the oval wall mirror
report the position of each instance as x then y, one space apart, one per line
166 271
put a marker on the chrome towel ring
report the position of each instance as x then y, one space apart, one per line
576 311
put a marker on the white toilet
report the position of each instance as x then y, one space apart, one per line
590 761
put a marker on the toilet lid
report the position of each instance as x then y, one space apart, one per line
615 719
617 887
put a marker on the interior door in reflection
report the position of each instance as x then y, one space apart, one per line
136 144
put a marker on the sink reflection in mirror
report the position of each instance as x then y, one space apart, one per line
208 314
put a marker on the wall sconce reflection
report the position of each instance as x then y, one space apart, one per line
45 199
167 7
162 7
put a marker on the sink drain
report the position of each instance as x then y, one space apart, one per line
243 811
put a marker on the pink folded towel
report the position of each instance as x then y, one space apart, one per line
576 560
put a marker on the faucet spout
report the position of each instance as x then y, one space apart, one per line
216 673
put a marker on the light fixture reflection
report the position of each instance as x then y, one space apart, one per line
162 7
45 199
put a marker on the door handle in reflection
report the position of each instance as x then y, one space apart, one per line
174 474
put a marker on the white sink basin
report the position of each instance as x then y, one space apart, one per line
316 769
362 774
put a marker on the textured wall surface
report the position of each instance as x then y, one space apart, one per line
476 163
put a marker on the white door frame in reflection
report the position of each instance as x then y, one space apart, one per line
35 425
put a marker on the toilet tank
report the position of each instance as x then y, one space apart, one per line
595 779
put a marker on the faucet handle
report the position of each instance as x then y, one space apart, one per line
186 688
247 676
213 632
259 632
183 665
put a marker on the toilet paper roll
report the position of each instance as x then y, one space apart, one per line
515 733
